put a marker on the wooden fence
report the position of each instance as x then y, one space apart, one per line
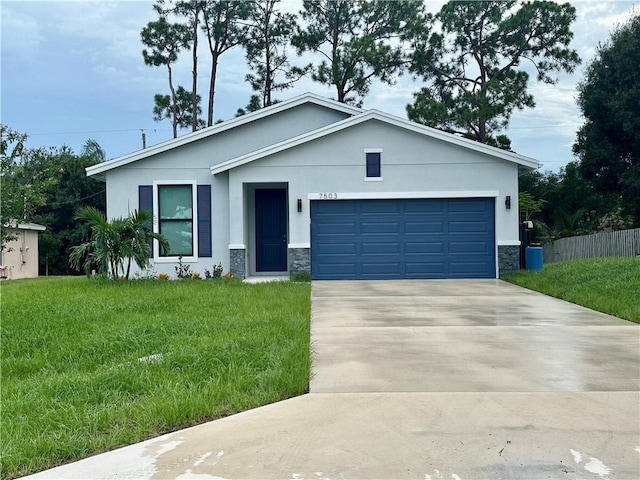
623 243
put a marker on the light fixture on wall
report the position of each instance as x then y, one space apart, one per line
507 202
299 205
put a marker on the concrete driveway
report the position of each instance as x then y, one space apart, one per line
463 380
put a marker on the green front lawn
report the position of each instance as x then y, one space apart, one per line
610 285
91 365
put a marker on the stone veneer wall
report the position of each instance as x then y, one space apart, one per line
299 260
237 260
508 258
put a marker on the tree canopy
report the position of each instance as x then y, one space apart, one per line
477 58
608 144
357 40
164 41
268 37
18 199
226 27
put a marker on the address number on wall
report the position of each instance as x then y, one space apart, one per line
328 196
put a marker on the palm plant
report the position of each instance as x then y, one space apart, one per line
566 223
136 237
114 242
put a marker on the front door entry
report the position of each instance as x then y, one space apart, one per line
271 230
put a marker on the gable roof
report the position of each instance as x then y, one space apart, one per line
526 162
222 127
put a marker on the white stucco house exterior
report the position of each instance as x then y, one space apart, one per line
314 185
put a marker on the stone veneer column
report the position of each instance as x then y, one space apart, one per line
238 263
508 258
299 260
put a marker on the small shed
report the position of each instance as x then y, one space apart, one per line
19 259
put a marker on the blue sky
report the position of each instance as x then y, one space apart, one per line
73 70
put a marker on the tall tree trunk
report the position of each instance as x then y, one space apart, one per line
174 110
266 98
212 88
482 130
194 92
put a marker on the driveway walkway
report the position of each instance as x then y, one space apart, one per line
463 380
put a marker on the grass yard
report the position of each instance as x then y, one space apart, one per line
609 285
91 365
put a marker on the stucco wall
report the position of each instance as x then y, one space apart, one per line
22 259
192 162
412 164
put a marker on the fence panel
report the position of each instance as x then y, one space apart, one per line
623 243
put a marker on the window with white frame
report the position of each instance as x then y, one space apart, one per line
373 163
176 218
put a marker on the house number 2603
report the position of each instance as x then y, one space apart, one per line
328 196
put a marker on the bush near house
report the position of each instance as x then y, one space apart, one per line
90 365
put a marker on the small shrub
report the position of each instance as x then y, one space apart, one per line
182 270
215 273
195 275
228 275
163 276
218 271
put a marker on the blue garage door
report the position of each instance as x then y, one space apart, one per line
404 238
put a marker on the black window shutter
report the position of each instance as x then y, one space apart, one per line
204 221
145 202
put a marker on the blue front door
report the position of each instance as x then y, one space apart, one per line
271 230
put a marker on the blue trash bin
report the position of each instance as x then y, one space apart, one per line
534 258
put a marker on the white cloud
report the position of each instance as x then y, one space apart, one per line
20 31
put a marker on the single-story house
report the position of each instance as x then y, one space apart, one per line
314 185
19 259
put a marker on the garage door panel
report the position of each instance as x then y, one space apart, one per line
381 207
461 205
380 248
423 206
369 228
433 269
469 227
469 247
337 228
466 268
423 247
403 238
333 269
336 249
424 227
377 270
334 209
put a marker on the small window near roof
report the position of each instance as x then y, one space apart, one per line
373 165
